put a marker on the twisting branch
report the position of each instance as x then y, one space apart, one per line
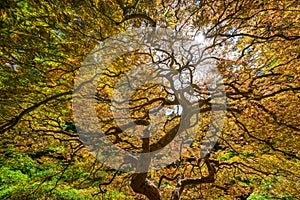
168 178
210 178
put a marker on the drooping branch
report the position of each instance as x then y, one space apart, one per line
16 119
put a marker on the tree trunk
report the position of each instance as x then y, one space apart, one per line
139 182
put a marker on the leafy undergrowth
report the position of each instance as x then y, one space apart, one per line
22 177
36 176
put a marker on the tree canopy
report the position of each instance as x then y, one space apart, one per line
255 46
